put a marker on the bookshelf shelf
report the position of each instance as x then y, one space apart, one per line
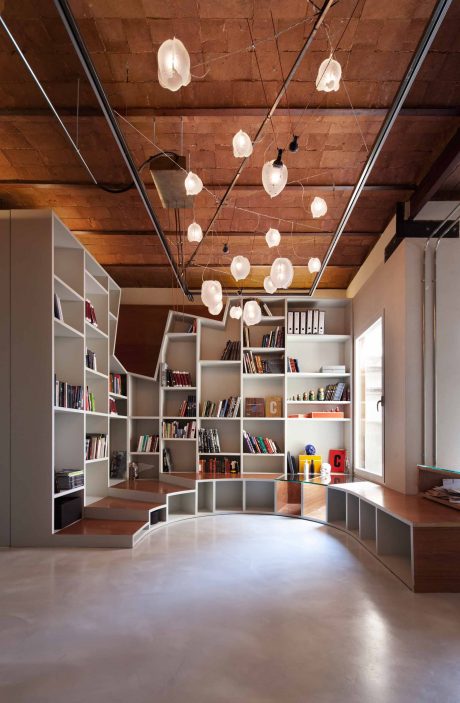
263 375
179 388
93 332
97 375
118 395
61 494
62 329
57 409
318 419
96 461
306 338
265 350
209 417
221 362
144 453
317 374
179 439
264 419
115 416
318 402
144 417
94 413
182 336
262 454
93 286
65 292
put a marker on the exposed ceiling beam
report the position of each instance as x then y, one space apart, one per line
235 233
444 165
230 112
240 187
423 46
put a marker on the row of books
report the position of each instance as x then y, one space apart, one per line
67 479
337 391
177 430
188 407
208 441
148 443
117 384
192 327
90 313
171 379
253 363
167 460
306 321
90 360
96 446
67 396
259 445
274 339
229 407
90 401
219 465
292 365
231 351
113 410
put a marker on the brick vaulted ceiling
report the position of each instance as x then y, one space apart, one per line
38 167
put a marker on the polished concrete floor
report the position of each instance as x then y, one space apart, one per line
230 608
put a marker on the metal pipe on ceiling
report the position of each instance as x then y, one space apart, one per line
318 22
85 59
423 47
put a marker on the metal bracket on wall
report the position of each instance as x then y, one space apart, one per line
418 229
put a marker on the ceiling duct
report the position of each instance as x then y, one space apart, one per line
168 174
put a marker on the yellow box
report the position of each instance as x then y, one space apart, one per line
305 459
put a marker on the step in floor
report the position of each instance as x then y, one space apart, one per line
89 532
149 485
122 509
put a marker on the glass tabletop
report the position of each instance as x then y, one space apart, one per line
317 479
438 468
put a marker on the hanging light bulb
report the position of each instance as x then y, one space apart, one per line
211 293
318 207
274 175
173 65
314 264
236 312
240 267
193 184
252 314
217 308
242 145
329 75
273 237
194 232
282 273
269 285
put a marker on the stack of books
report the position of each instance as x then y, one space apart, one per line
90 401
116 384
91 360
148 443
292 365
96 446
172 379
231 351
177 430
253 363
259 445
219 464
274 339
67 395
67 479
90 313
333 369
208 441
188 407
229 407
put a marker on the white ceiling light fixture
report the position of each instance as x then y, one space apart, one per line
194 232
273 237
252 314
314 264
236 312
173 65
211 293
282 272
269 285
318 207
240 267
193 184
217 308
329 75
242 145
274 175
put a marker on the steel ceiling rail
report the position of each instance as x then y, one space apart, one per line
85 59
318 22
423 47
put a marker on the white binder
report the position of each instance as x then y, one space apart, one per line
303 322
309 321
290 325
315 321
321 322
296 322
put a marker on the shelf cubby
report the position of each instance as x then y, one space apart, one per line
205 497
143 396
367 525
336 508
288 498
259 496
213 340
394 545
352 513
68 267
181 506
314 501
229 495
171 402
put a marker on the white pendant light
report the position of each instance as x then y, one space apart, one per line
173 65
240 267
252 314
193 184
329 75
274 175
269 285
236 312
194 232
242 145
318 207
314 264
273 237
217 308
211 293
282 272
